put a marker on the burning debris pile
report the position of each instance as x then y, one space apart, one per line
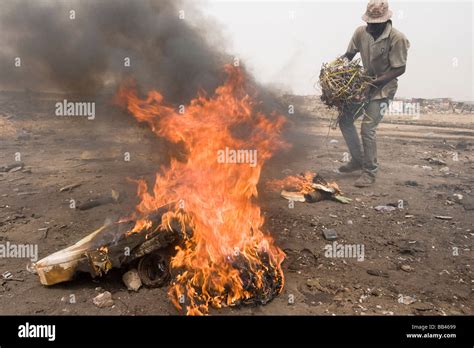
205 208
342 82
111 246
308 187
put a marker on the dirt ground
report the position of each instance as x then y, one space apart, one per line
414 263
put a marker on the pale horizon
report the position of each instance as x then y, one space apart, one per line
287 53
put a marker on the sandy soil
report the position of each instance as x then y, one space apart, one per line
61 151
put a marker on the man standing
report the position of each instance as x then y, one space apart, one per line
383 51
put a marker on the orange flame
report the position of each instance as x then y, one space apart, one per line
228 258
299 183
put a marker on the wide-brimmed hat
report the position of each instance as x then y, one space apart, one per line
377 12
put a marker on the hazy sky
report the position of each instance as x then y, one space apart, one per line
285 42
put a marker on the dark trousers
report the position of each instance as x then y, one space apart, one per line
372 113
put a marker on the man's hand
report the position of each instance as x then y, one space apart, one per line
348 55
365 94
381 81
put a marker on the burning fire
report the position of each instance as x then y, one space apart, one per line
304 183
227 259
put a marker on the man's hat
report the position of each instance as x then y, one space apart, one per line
377 12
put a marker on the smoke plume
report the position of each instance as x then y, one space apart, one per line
84 46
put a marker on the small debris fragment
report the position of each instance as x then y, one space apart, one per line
103 300
442 217
436 161
468 202
407 300
376 292
113 198
70 187
422 307
132 280
7 275
12 166
16 169
406 268
27 193
411 183
377 273
444 169
31 268
329 234
385 208
410 247
45 231
293 196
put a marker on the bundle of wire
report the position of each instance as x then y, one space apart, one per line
343 82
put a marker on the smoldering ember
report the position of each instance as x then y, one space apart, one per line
203 189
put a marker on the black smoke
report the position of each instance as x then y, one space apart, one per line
86 55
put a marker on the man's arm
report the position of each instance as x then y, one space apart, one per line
353 46
393 73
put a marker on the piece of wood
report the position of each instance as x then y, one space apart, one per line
70 187
113 198
9 167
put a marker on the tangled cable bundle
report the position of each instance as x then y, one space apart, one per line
342 82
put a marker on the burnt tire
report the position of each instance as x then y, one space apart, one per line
153 270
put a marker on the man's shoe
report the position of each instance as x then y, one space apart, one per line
365 180
350 167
